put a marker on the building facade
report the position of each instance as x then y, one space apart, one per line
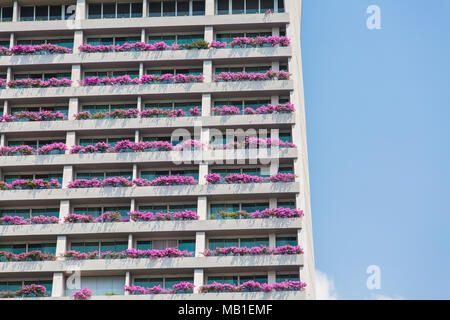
142 111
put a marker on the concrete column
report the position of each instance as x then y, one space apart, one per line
78 40
202 208
61 246
3 140
206 105
6 107
273 203
137 136
272 240
67 176
141 69
209 8
276 65
64 209
199 279
74 107
127 281
274 100
130 241
276 31
76 75
207 70
71 140
58 285
15 16
81 10
9 74
143 35
12 40
209 33
135 171
200 243
133 205
202 172
139 103
271 277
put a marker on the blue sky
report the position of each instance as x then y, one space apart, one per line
378 125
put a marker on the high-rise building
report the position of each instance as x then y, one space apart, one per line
153 143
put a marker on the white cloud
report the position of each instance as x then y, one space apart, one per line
325 289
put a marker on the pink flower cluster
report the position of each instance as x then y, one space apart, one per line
115 114
254 42
245 178
27 150
2 83
137 46
175 113
37 83
252 286
22 184
111 216
262 250
83 294
130 254
225 110
78 218
6 117
124 182
163 216
176 288
277 213
44 115
146 79
28 256
279 108
128 146
98 147
33 49
244 76
253 142
32 290
16 220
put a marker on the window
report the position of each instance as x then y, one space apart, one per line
284 241
254 242
259 278
182 8
95 11
26 13
42 13
55 13
280 5
238 7
198 8
48 212
136 10
154 9
103 175
123 10
101 285
252 6
287 277
233 280
109 10
6 14
169 8
223 7
151 175
287 204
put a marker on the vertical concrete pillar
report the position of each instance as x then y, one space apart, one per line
141 69
61 246
74 107
199 279
276 31
272 240
12 40
144 35
67 176
144 8
71 140
200 243
137 136
64 209
9 74
271 277
127 281
274 100
206 105
207 70
76 75
81 10
202 172
58 285
210 7
78 40
3 140
276 65
202 208
130 241
15 16
6 107
139 103
135 171
273 202
209 33
133 205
